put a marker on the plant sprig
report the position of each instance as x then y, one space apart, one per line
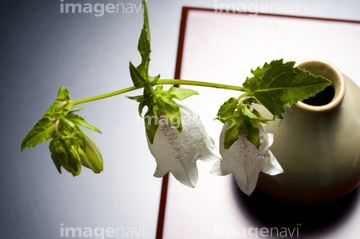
275 85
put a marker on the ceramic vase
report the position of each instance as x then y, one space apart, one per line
317 142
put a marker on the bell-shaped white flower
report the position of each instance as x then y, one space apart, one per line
245 161
178 152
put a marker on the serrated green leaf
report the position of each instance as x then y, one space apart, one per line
78 120
42 131
280 84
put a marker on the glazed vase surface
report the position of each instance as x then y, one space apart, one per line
318 146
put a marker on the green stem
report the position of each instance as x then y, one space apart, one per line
200 83
99 97
159 82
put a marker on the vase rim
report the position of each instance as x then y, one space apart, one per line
331 72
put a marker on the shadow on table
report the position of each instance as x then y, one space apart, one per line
314 220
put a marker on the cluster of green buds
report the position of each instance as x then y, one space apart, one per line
70 147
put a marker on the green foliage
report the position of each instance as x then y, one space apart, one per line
70 147
274 86
241 118
42 131
139 74
158 101
279 84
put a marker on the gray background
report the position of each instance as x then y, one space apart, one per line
42 49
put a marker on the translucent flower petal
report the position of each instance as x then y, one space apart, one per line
245 161
178 152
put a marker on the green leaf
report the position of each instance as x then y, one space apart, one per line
231 134
144 44
227 109
242 119
138 80
251 100
151 125
62 97
52 109
252 133
78 120
58 153
153 80
77 109
64 153
280 84
259 117
63 94
138 98
141 100
139 75
180 93
163 103
42 131
253 115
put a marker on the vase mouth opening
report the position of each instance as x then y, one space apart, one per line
328 100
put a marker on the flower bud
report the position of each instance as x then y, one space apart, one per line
91 157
